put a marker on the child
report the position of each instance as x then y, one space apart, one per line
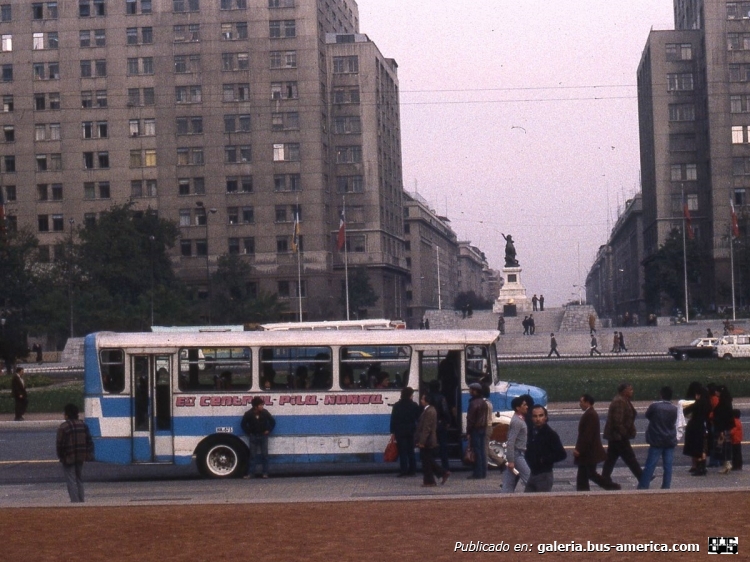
736 434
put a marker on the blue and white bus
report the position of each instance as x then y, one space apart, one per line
169 397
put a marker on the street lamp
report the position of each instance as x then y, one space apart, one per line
206 212
72 222
151 252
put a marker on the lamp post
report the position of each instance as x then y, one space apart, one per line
206 212
151 240
72 222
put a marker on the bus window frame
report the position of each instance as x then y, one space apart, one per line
211 364
377 358
299 360
123 364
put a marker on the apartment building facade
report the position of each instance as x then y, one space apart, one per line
237 119
694 115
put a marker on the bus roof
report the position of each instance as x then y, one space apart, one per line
295 338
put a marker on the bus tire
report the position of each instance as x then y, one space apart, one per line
727 356
222 457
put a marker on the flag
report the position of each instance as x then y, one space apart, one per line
341 238
688 220
295 234
735 224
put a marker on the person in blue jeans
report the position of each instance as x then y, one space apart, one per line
661 436
258 423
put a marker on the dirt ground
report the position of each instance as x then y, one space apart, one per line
379 531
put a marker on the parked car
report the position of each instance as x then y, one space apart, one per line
702 348
733 346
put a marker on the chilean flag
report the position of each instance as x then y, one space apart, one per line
688 220
341 238
735 224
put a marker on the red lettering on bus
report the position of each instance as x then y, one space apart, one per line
205 400
376 399
179 402
284 399
311 400
329 399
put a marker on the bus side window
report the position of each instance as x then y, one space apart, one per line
112 363
381 367
296 368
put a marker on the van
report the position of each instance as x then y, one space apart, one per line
733 346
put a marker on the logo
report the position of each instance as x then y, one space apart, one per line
723 545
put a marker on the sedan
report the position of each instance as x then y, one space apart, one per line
702 348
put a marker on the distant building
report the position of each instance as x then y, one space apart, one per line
471 266
694 103
432 258
232 118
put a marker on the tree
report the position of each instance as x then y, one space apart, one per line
361 293
470 297
107 278
17 290
234 302
664 271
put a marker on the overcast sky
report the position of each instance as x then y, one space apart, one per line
521 117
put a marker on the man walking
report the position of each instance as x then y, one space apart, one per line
532 325
258 423
594 346
525 324
589 451
476 428
404 418
516 466
74 446
619 430
426 439
544 450
20 396
622 342
552 346
661 436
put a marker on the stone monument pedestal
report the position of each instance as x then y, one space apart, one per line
512 292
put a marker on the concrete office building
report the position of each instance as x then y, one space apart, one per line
694 103
229 117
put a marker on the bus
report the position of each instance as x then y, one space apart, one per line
177 396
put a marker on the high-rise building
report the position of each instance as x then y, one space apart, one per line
694 108
241 120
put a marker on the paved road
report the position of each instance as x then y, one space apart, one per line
30 476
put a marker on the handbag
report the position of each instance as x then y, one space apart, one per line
469 457
391 451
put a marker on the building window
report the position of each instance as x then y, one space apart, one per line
6 13
347 125
235 61
237 123
282 247
285 121
287 152
7 73
190 156
279 29
186 248
7 104
43 102
189 125
241 184
682 142
248 215
248 246
10 163
346 65
6 43
281 3
681 112
348 154
349 184
232 4
188 94
680 82
283 59
43 223
284 90
236 92
9 133
139 188
740 197
237 154
185 64
186 33
233 31
287 182
346 95
684 172
181 6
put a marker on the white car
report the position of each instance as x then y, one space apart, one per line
733 346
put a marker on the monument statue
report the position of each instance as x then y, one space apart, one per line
510 251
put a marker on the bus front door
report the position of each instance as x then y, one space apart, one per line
444 368
152 408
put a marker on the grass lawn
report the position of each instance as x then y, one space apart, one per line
565 381
49 398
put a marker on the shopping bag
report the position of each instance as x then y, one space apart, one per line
391 451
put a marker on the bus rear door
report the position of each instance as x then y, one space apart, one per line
152 408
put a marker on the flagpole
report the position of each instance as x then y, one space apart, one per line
684 254
731 264
346 259
299 281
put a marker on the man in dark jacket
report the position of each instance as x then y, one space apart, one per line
444 421
258 423
476 427
619 430
589 450
20 396
661 436
404 418
74 446
544 449
426 440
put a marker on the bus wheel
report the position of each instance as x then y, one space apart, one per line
496 454
727 356
222 458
